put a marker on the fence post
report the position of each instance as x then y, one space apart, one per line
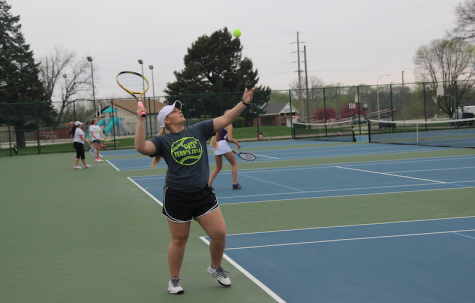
359 113
9 134
456 100
291 117
37 128
186 111
425 105
391 97
325 112
221 102
150 109
113 124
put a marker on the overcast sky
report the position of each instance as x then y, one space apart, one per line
348 42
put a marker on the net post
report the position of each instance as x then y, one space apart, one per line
353 133
369 131
417 133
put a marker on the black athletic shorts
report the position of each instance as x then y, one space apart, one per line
180 207
97 141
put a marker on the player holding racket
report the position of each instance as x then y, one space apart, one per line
96 132
220 146
78 143
186 195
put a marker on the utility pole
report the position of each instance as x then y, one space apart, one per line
300 85
306 81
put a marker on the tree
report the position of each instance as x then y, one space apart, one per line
279 96
55 66
443 62
214 65
320 114
19 80
465 21
314 83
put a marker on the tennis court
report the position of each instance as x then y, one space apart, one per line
314 222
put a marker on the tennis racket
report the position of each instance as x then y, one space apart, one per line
93 151
246 156
135 84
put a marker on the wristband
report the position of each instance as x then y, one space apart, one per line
245 104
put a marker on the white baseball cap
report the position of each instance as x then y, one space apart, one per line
166 110
77 123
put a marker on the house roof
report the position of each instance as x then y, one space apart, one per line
272 109
131 105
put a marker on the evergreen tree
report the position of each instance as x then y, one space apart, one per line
215 70
19 80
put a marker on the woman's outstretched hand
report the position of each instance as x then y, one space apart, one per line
248 95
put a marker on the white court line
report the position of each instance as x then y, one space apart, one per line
250 276
272 183
465 236
352 239
112 165
342 189
419 170
374 172
353 195
351 225
145 191
266 156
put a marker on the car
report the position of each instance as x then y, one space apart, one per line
464 116
386 125
360 121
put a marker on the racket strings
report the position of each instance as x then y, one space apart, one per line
133 82
247 156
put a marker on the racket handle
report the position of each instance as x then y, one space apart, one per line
143 114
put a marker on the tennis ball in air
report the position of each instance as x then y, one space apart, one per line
237 33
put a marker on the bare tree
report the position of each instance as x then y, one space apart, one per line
465 21
76 72
444 61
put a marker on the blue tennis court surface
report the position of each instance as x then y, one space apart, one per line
417 261
319 181
292 154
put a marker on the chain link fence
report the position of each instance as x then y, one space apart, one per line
32 128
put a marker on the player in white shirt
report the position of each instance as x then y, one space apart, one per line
96 132
78 144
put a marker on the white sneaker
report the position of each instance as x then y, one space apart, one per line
87 166
220 274
98 160
174 286
77 167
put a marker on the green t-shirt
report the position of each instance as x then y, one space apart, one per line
186 155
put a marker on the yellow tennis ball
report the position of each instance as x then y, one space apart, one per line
237 33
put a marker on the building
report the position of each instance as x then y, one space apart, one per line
277 114
127 109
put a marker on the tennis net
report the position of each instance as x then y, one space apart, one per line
445 133
334 131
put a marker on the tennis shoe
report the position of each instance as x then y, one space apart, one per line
87 166
174 286
77 167
237 186
98 160
219 273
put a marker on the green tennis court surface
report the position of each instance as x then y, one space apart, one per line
93 236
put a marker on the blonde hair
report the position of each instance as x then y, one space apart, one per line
214 141
157 159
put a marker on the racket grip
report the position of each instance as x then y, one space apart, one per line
143 114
